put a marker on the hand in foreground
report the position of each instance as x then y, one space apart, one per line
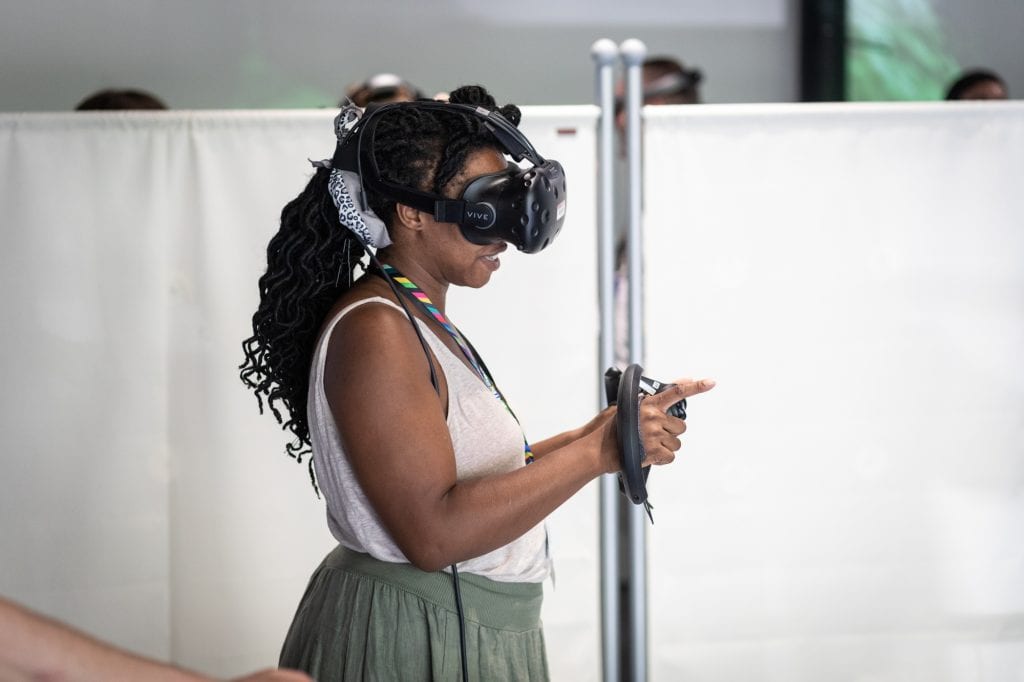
660 431
274 675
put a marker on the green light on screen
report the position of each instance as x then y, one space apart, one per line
896 50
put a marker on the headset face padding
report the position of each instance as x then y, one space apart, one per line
522 206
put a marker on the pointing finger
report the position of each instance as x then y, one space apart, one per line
683 388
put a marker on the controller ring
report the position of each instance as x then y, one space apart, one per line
631 447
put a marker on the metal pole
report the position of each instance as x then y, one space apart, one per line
633 52
605 54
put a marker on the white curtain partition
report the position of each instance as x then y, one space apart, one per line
849 501
142 496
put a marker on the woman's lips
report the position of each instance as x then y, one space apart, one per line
492 258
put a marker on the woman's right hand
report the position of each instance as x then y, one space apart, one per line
659 430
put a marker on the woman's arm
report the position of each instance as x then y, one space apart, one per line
396 437
543 447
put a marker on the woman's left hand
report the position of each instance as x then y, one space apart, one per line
599 420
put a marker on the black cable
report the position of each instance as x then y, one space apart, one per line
462 623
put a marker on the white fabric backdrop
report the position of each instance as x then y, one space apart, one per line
849 501
847 505
142 497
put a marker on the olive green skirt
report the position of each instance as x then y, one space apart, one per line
364 619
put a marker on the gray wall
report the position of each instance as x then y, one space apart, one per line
273 53
989 34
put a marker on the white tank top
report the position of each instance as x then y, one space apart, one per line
486 438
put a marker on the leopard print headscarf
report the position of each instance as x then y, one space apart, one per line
345 188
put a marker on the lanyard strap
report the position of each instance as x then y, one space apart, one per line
417 295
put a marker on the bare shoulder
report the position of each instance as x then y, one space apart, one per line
375 338
373 328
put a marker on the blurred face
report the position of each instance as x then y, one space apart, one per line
384 96
651 79
988 89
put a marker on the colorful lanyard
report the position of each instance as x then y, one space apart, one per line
421 298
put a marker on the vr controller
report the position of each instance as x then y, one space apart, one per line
624 389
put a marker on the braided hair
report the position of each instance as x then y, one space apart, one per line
312 259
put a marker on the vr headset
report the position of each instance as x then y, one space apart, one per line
522 206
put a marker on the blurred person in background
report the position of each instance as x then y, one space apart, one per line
978 84
380 89
665 81
111 100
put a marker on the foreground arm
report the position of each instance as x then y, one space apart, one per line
33 647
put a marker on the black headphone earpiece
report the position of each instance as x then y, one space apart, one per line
522 206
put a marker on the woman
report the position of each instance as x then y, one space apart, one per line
421 463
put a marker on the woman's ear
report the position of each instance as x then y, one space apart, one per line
409 217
